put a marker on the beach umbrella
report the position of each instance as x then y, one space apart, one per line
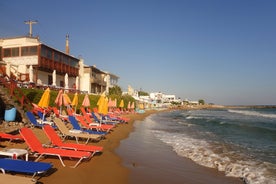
110 103
132 105
66 100
86 101
31 73
122 104
66 81
100 103
128 105
45 99
115 103
75 100
58 99
54 76
105 106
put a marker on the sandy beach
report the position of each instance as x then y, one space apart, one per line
109 167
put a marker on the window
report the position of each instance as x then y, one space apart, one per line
56 56
11 52
7 52
15 51
33 50
29 51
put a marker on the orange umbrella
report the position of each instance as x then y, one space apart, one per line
66 100
45 99
86 101
132 105
58 99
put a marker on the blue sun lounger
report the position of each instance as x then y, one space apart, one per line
76 126
34 121
25 167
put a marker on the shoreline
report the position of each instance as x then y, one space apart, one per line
102 168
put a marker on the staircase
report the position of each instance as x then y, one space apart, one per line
11 94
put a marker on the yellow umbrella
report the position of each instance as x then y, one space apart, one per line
75 101
101 103
45 99
122 104
105 106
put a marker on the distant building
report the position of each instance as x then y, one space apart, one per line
97 81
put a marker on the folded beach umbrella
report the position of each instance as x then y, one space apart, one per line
122 104
86 101
75 101
101 103
132 105
58 99
45 99
66 100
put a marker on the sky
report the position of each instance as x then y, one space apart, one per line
221 51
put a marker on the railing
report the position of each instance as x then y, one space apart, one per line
14 90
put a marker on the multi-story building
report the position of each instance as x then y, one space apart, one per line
27 59
98 81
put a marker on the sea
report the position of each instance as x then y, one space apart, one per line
240 142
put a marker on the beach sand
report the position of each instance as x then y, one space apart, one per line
109 167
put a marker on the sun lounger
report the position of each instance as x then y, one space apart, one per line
10 137
99 119
34 121
97 126
11 179
37 148
58 115
77 135
56 141
25 167
76 126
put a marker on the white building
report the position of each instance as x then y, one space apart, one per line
27 59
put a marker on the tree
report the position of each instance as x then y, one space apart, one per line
201 101
142 93
116 90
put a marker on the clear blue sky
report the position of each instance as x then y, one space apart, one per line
222 51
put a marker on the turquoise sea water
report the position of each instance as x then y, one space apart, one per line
239 142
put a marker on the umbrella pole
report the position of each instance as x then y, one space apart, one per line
43 115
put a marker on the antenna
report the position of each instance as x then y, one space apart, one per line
31 22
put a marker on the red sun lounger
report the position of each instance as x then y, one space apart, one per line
56 141
37 148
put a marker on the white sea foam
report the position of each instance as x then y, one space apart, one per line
252 113
201 152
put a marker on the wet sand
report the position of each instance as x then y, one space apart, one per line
152 161
126 163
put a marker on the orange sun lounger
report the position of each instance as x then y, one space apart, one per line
37 148
56 141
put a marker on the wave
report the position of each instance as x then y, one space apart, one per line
215 155
252 113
